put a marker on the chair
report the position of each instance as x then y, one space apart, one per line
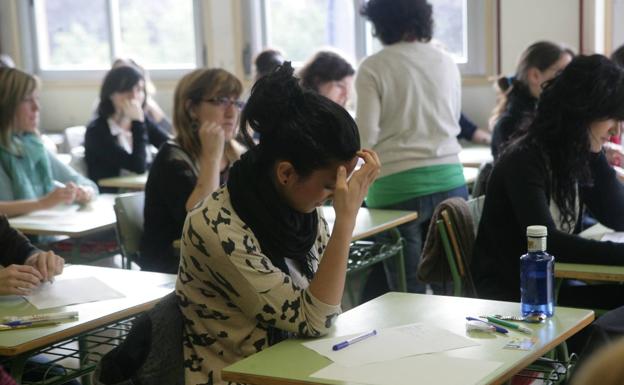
129 213
480 185
363 254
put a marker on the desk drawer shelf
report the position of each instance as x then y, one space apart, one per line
73 358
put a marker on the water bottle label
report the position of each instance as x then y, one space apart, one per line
536 244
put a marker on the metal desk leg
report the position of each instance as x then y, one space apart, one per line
17 366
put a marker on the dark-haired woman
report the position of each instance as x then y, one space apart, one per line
329 74
116 141
194 164
548 176
540 62
257 261
408 111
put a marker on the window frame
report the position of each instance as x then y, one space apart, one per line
28 14
479 35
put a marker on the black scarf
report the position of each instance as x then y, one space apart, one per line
281 231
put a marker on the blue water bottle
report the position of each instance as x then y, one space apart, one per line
537 275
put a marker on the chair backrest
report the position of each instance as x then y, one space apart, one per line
129 213
458 245
74 137
475 205
480 185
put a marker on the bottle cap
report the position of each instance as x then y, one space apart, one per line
537 231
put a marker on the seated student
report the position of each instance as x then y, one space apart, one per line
540 62
23 268
117 139
257 261
266 61
330 75
193 165
151 108
31 177
547 176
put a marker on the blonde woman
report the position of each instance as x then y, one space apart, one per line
194 164
31 177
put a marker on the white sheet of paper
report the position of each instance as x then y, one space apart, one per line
422 369
596 232
390 344
70 292
614 237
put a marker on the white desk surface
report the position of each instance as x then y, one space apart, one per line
70 220
141 289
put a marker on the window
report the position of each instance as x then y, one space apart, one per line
75 35
318 23
459 28
617 32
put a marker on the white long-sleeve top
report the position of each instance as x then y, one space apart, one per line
408 106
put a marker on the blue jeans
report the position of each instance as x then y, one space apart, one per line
414 234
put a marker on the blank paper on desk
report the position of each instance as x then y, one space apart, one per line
390 344
70 292
423 369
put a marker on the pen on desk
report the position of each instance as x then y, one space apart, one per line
60 316
498 328
510 325
351 341
4 327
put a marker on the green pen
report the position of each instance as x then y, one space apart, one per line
510 325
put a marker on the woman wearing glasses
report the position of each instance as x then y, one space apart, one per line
117 140
194 164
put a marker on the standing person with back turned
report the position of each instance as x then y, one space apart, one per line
408 112
547 176
257 262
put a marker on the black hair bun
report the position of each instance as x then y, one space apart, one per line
274 96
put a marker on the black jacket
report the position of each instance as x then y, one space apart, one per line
105 158
519 113
15 248
518 195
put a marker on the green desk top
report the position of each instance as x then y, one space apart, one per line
290 362
141 289
372 221
132 182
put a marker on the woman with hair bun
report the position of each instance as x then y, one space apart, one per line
548 176
257 263
540 62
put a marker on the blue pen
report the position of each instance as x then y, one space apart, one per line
353 340
499 329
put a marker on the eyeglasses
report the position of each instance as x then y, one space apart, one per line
224 102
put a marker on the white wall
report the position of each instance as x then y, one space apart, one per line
522 22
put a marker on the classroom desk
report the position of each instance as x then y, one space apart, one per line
141 289
289 362
70 220
475 156
606 273
470 174
129 182
368 221
372 221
